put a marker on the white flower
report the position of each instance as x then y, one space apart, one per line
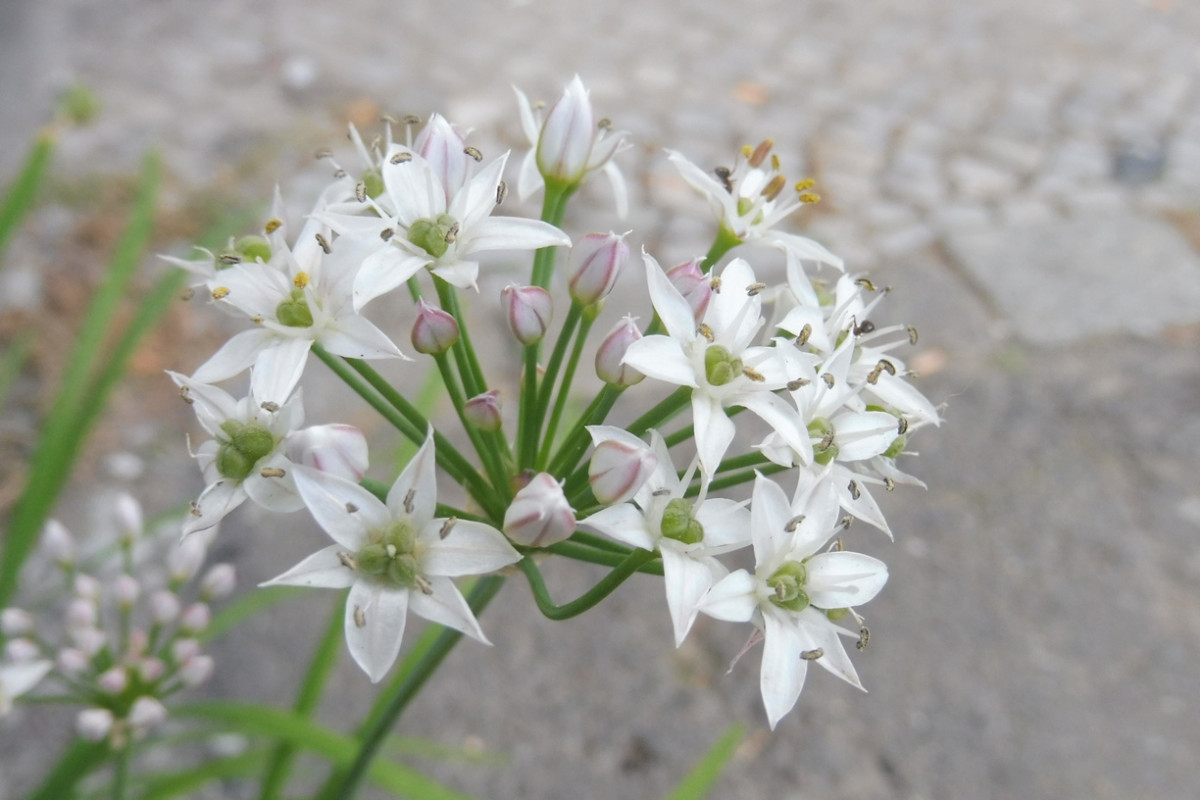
303 299
715 358
569 145
17 679
395 557
248 455
792 589
417 222
687 534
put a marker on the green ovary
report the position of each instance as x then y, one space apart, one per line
788 585
433 235
294 312
679 524
720 367
390 555
247 444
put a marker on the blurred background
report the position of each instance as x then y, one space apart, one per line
1025 174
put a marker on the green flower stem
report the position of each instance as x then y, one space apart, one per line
528 428
599 542
554 207
121 772
576 443
486 449
556 357
448 458
735 479
464 353
564 391
279 762
577 552
77 762
743 462
589 598
726 240
345 786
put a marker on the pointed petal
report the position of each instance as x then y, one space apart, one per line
770 512
620 193
625 523
460 274
783 670
274 493
661 358
235 356
671 306
344 510
383 611
278 369
355 337
825 635
217 500
413 187
732 598
529 180
477 198
446 606
686 580
714 431
323 569
803 248
212 405
470 548
414 494
383 271
726 524
513 233
900 394
844 579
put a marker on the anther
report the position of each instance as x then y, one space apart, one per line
902 426
447 526
273 224
324 243
412 119
805 184
812 655
339 173
793 523
754 288
401 158
194 509
360 618
229 259
186 395
854 490
826 442
846 522
257 319
912 334
301 280
473 152
829 379
351 508
324 152
706 332
797 384
838 546
360 192
753 374
805 332
865 283
864 636
660 492
187 294
376 141
408 501
604 124
386 234
347 560
501 192
451 235
220 293
270 406
388 118
774 187
759 155
423 584
723 175
272 472
808 198
775 162
889 484
715 283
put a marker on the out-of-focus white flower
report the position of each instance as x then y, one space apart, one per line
483 411
394 557
17 679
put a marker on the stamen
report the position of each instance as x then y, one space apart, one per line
273 224
194 509
809 198
447 526
715 283
775 163
865 283
386 234
774 187
812 655
324 243
412 119
864 637
348 560
660 492
754 288
323 152
187 294
229 259
805 332
752 374
889 484
451 235
759 155
706 332
401 158
501 192
912 334
797 384
339 173
272 472
270 406
360 192
473 152
604 124
854 490
408 501
388 118
807 183
351 508
829 379
793 523
423 584
360 618
301 280
902 427
220 293
846 522
185 394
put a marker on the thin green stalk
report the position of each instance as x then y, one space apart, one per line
588 599
279 763
76 763
735 479
725 241
345 786
599 542
487 453
607 558
529 426
18 200
120 772
556 357
554 208
564 391
464 352
577 440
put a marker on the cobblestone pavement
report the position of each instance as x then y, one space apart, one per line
1025 174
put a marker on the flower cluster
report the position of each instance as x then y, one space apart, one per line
127 638
673 492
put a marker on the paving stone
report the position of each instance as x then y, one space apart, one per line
975 180
1078 279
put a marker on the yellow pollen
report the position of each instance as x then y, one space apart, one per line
301 280
747 151
774 162
220 292
807 183
273 224
810 197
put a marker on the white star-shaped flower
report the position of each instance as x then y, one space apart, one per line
18 678
793 588
394 557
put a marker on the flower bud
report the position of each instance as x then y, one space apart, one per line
184 560
195 618
151 669
127 513
184 649
620 464
58 543
529 310
86 588
16 622
89 640
337 449
483 411
73 662
81 614
218 583
609 358
596 261
441 146
196 671
139 640
164 607
146 712
539 514
693 284
567 136
94 724
113 681
434 331
21 650
125 590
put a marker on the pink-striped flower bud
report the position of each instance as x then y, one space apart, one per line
73 662
610 366
196 671
596 261
126 590
434 331
58 543
127 514
483 411
568 135
338 449
539 514
21 651
693 284
164 607
16 622
218 583
94 724
113 681
529 310
195 618
620 464
146 712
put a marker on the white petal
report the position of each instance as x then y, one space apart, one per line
446 606
671 306
212 405
470 548
17 679
529 180
513 233
355 337
254 289
864 435
278 370
625 523
529 124
726 524
477 199
714 431
661 358
733 598
275 494
217 500
344 510
783 670
803 248
686 580
620 193
900 394
460 274
414 187
844 579
383 611
384 270
864 506
235 356
698 178
414 494
323 569
825 635
770 512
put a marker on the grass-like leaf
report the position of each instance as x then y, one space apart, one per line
699 782
20 195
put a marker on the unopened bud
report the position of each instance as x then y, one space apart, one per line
16 622
184 560
195 618
164 607
94 724
21 651
125 590
596 261
693 284
81 614
218 583
539 514
196 671
73 662
529 310
336 449
113 681
567 136
86 587
127 513
146 712
58 543
483 411
89 640
434 331
184 649
609 358
620 464
151 669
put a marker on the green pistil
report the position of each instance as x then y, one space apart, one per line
253 248
247 443
434 235
390 555
373 182
788 585
294 312
720 367
679 524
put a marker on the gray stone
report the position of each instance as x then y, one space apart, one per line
976 180
1073 280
